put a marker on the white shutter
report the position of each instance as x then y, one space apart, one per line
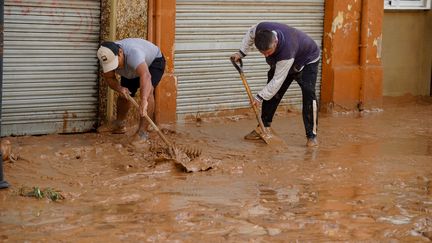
50 66
407 4
209 31
411 3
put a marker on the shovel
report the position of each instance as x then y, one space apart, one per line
179 156
264 134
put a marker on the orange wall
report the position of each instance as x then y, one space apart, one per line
350 80
162 33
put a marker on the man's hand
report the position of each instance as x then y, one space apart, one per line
236 57
124 92
257 101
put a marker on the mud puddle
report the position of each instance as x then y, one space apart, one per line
369 180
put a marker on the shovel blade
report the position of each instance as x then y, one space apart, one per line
270 138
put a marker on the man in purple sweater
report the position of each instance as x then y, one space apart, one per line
291 55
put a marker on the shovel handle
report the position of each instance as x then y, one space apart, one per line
149 120
243 78
249 92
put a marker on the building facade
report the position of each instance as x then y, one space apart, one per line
51 77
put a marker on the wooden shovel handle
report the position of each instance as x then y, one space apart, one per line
149 120
249 92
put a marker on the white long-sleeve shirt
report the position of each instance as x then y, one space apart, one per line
285 61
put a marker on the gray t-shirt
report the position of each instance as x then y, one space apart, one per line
136 51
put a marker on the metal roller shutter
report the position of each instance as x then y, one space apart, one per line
50 66
209 31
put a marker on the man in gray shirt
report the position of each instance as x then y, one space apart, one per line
141 65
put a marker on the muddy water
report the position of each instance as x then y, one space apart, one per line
369 180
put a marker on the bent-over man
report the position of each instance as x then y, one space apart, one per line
291 54
141 65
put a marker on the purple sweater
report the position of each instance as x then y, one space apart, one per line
294 50
292 43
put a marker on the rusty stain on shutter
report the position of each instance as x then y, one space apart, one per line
50 66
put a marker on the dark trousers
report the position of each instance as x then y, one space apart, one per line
156 69
307 80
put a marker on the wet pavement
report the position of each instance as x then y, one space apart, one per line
369 180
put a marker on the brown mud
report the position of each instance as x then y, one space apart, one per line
370 179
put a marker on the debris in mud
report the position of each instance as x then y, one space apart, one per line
427 235
6 149
191 152
423 227
197 164
198 120
186 159
38 193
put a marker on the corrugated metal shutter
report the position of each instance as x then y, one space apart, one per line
209 31
50 66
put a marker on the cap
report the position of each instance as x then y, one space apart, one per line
107 58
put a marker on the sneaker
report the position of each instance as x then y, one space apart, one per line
312 142
254 135
140 140
270 131
143 135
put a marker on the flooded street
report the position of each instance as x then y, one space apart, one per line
369 179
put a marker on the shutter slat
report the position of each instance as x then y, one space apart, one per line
50 66
208 32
